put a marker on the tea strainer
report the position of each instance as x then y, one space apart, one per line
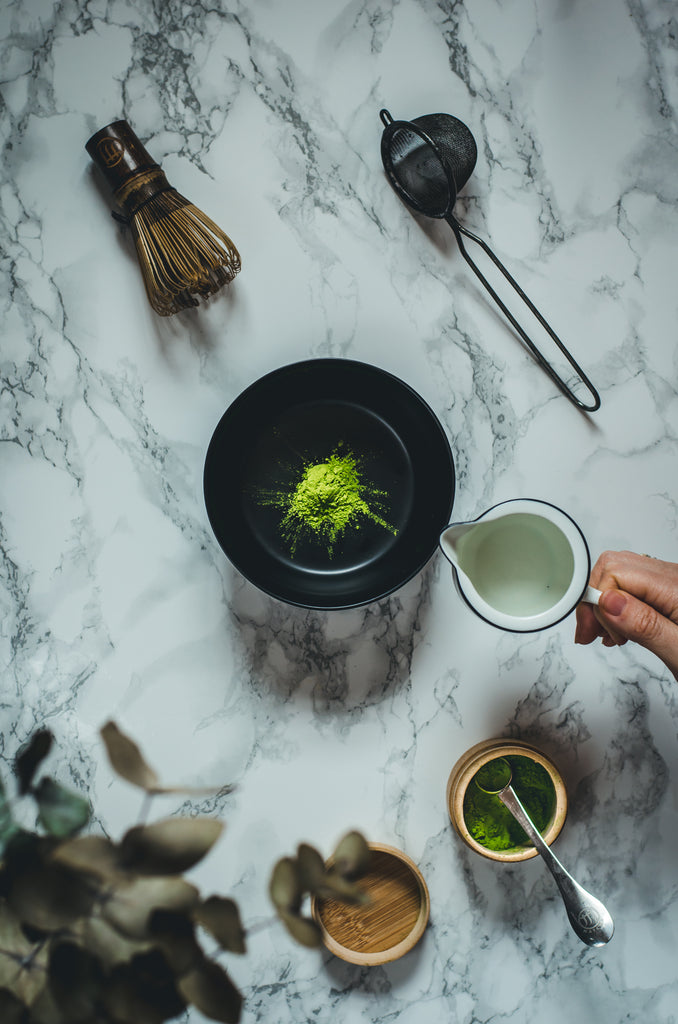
428 160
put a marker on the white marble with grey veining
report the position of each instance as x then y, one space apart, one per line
116 599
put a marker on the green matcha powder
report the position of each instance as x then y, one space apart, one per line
329 499
492 825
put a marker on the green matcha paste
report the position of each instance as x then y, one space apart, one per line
492 825
330 498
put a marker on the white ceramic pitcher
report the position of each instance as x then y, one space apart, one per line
523 565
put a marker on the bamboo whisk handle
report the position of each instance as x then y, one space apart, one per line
128 167
119 154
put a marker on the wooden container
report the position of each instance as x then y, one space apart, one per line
462 775
390 924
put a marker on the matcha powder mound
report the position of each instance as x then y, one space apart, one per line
329 499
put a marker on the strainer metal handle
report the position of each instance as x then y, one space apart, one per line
538 355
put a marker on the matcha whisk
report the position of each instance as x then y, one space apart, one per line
182 252
589 918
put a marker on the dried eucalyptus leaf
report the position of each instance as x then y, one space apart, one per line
75 980
32 977
127 760
61 812
221 918
48 897
174 934
44 1010
143 991
127 1003
22 963
220 790
94 855
285 888
131 904
352 855
106 942
12 938
10 965
311 867
26 847
211 990
12 1010
335 886
170 846
8 827
29 757
302 929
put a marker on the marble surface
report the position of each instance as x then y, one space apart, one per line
118 602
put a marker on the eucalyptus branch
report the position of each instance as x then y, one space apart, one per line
107 912
145 808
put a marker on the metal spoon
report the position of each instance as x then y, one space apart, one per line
588 917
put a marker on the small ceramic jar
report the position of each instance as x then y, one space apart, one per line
390 924
462 776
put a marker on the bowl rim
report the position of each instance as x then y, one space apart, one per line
383 956
463 772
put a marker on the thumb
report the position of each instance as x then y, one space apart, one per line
634 620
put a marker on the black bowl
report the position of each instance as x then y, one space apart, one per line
299 415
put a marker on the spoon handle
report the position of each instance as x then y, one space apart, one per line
588 917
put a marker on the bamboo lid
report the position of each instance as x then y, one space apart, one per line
390 924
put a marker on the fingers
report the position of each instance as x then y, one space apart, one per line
651 580
588 626
624 617
639 603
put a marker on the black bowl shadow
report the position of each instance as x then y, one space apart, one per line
319 661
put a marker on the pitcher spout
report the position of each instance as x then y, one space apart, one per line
450 538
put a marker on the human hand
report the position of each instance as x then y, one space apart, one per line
639 602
